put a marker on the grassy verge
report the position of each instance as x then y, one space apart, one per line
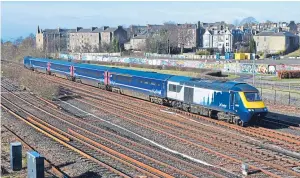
277 79
30 80
294 54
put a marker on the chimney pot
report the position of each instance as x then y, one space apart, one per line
78 28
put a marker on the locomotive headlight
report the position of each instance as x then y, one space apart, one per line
251 110
265 109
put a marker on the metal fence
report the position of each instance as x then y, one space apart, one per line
280 93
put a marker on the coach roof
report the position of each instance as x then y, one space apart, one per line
145 74
211 84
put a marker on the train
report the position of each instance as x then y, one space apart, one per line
234 102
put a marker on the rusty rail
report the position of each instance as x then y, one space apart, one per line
200 146
66 144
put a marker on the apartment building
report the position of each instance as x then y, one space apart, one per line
217 39
53 40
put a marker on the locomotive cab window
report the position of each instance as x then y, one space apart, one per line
252 96
172 87
178 88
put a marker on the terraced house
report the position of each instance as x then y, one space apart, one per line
79 39
53 40
89 40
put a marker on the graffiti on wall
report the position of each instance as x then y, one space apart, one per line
224 66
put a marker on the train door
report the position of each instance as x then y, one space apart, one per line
48 67
231 100
234 100
188 95
72 71
106 78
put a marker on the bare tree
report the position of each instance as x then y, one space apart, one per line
18 49
107 47
186 36
169 34
77 49
86 48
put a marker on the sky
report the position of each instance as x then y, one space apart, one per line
22 18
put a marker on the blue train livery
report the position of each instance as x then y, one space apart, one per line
233 102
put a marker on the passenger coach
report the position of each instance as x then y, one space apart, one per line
233 102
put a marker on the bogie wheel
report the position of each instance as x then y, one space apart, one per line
241 123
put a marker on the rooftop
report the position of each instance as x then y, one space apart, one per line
272 33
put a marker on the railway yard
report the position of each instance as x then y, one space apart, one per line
89 132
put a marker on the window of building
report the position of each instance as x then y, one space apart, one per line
227 44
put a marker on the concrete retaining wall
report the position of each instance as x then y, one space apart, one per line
224 66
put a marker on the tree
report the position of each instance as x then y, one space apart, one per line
116 45
252 46
107 47
18 49
185 36
86 48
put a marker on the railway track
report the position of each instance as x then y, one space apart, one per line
177 127
167 167
291 141
255 150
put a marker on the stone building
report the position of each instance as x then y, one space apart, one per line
271 42
190 35
85 40
216 39
89 40
136 43
53 40
108 34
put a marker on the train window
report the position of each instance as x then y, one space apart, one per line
124 78
252 96
178 88
153 83
172 87
146 82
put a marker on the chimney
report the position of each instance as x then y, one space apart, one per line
120 27
93 28
105 27
58 29
78 28
199 25
38 29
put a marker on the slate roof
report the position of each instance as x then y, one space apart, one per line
140 37
270 33
56 31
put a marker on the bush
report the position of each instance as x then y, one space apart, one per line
30 80
287 74
202 53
